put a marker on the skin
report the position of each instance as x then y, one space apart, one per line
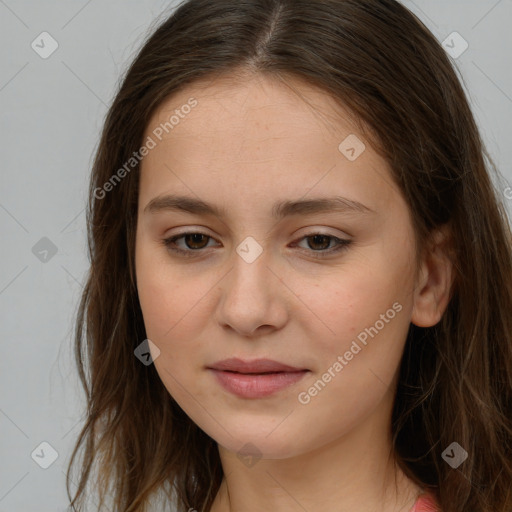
249 143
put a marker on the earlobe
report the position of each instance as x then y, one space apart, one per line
433 288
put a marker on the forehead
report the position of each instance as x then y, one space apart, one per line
261 136
256 104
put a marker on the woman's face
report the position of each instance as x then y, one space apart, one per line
255 282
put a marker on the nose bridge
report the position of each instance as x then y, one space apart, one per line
251 266
250 297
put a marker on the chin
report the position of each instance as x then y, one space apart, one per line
257 442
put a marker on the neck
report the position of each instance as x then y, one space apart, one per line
354 473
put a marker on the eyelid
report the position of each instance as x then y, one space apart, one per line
309 231
322 230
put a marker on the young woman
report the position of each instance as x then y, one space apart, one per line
301 272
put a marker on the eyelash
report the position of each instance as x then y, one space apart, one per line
169 243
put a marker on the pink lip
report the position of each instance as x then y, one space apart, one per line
257 378
235 364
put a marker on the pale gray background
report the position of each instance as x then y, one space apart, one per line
51 114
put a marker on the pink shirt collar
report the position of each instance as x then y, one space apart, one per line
425 503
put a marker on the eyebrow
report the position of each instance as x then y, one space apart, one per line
280 210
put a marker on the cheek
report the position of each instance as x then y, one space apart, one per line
169 295
362 315
174 310
351 300
356 363
174 307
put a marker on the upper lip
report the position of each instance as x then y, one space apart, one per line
255 366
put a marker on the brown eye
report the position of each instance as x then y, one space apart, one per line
193 243
195 240
319 242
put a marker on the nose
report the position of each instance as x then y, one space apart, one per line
254 299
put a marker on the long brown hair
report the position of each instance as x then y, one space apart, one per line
376 58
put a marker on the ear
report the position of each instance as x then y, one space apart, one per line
433 286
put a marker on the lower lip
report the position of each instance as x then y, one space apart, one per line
257 385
